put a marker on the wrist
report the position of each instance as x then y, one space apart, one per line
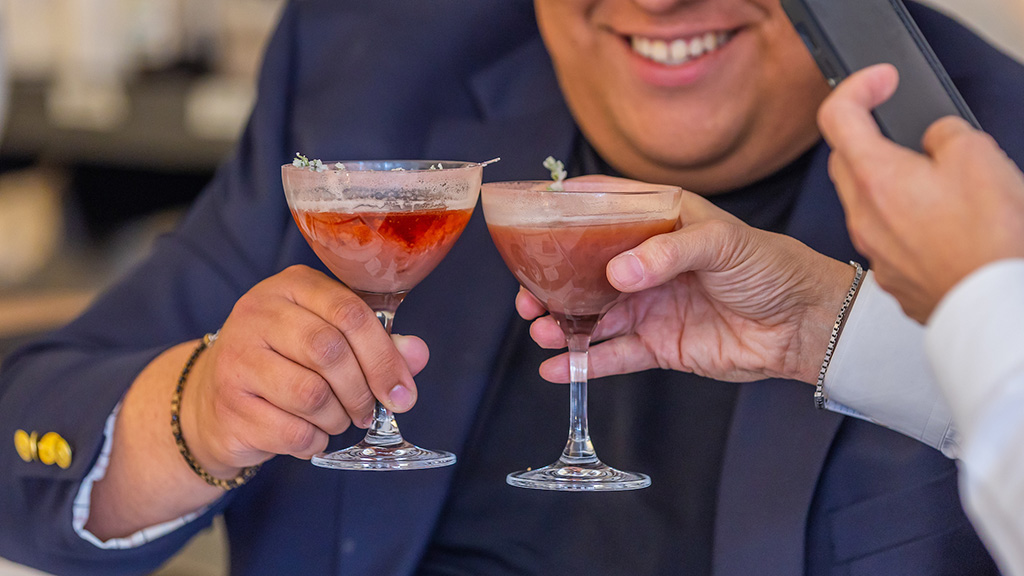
188 434
824 303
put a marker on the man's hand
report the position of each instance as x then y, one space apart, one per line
300 358
717 298
925 221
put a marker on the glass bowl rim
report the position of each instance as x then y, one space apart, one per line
329 165
640 187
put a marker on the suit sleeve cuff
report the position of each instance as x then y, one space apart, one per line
82 503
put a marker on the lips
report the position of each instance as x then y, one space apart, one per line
679 51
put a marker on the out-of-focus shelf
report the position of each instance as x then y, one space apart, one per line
154 133
22 314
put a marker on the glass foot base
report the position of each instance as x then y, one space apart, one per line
402 456
563 476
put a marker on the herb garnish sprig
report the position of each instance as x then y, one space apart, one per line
558 173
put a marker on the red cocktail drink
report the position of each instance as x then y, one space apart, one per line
558 244
381 252
381 227
563 263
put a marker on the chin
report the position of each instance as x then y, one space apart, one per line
686 153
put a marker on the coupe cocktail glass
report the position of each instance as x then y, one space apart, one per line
558 245
381 227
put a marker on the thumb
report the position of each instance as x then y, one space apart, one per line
414 350
845 116
704 245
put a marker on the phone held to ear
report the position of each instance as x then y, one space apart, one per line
844 36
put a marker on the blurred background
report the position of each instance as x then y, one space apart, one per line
114 115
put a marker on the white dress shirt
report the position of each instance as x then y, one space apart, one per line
967 368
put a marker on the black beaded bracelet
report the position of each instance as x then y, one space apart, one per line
819 390
246 473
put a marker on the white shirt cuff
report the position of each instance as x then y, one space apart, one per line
880 373
974 338
83 501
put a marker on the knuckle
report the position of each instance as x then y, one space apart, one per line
227 385
721 228
718 233
233 449
326 346
337 426
857 238
359 403
980 142
862 238
318 445
350 313
662 252
223 408
247 304
299 436
296 271
386 366
312 392
867 181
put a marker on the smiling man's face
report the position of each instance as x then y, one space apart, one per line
706 94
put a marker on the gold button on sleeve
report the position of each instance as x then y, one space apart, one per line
25 445
53 449
46 448
62 454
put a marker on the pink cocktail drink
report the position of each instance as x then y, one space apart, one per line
558 244
563 262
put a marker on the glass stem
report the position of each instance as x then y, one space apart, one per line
384 430
579 449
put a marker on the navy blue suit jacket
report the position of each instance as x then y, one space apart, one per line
801 491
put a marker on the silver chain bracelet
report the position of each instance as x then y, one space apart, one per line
819 389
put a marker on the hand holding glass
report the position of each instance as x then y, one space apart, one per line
381 227
558 245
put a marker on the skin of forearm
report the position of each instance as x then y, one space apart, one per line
147 481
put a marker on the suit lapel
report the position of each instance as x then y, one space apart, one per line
765 494
462 310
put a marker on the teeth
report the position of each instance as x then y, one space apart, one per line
710 42
659 50
680 50
696 47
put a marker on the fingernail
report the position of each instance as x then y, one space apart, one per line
400 397
626 269
368 421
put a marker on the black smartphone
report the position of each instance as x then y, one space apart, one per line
847 35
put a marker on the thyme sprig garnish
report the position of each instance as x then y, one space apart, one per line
558 173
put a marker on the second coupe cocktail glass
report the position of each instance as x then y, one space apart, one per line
558 245
381 227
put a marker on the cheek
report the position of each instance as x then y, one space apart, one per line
799 76
792 89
